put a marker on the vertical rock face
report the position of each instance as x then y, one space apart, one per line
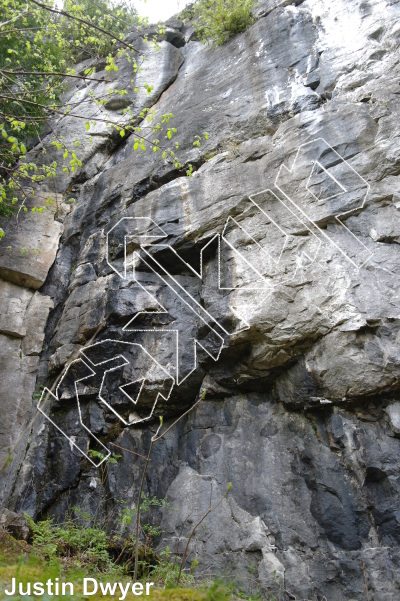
272 282
23 316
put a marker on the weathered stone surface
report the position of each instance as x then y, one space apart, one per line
15 301
301 412
372 363
36 318
271 572
393 412
18 383
23 316
160 67
15 524
32 243
240 531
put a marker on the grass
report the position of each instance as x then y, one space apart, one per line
25 563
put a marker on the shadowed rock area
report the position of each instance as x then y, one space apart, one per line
270 279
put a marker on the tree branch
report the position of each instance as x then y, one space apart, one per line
46 73
24 12
84 22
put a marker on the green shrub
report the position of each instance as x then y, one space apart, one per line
88 546
83 541
219 20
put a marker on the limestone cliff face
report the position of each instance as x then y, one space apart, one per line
296 309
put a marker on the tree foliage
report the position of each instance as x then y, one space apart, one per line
85 41
39 44
217 21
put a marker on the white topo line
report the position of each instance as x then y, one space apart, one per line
145 233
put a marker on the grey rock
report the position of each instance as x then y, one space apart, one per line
371 365
393 411
36 316
301 412
160 68
32 244
22 321
271 572
15 524
84 273
227 529
62 356
15 301
175 23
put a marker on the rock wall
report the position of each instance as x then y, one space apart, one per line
295 202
